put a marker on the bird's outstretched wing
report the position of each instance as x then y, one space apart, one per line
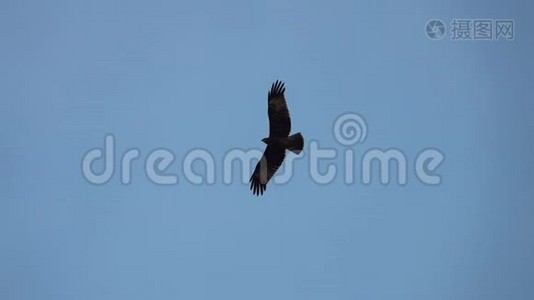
279 120
270 161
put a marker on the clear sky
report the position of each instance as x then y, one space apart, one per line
186 75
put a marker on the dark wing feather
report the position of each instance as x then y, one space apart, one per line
279 120
270 161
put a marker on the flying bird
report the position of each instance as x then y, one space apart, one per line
278 140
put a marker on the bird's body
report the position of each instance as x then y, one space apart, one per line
293 143
278 140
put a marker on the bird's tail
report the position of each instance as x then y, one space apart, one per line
294 143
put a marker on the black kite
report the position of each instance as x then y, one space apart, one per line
278 141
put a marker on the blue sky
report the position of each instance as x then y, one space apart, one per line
186 75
